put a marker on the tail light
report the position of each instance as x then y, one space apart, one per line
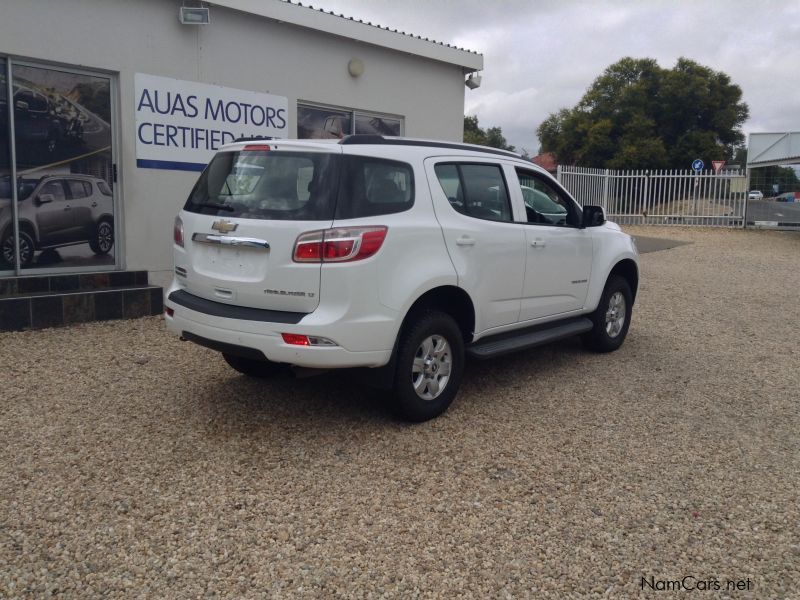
340 244
256 148
177 232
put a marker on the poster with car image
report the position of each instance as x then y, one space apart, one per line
5 170
63 142
5 155
322 123
317 122
378 125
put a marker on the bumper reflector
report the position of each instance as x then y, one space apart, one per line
295 339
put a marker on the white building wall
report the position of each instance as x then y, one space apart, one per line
236 50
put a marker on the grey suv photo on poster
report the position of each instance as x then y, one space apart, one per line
64 171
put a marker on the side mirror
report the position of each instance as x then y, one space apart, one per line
44 198
593 216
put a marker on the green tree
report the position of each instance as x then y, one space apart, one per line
493 136
740 157
637 115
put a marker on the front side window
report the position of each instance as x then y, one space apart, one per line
52 190
476 190
544 205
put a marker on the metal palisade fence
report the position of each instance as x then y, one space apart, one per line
661 197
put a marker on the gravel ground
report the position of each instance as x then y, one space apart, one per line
135 465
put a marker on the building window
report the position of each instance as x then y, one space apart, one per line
320 122
63 168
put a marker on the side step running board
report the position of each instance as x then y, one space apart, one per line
528 338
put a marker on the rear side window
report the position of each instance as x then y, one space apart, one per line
268 185
373 186
476 190
77 189
104 189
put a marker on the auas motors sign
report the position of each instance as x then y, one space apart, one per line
180 124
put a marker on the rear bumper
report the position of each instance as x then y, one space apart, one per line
265 337
242 313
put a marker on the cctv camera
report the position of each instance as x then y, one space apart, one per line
473 82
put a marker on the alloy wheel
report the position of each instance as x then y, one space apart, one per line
431 368
615 314
105 236
25 250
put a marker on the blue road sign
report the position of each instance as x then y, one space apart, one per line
698 165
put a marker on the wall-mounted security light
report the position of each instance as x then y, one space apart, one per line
355 67
473 81
189 15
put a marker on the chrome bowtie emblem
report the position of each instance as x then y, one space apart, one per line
224 226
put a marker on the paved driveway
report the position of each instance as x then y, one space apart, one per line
768 210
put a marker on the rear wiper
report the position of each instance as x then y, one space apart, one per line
215 205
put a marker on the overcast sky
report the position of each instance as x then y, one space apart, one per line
540 56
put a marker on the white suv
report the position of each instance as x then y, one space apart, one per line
404 256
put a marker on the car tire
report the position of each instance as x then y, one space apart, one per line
428 346
612 317
103 239
254 368
27 249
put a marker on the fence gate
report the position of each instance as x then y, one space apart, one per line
661 197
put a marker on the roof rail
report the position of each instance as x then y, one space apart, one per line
363 138
373 139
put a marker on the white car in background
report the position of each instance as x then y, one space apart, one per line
755 195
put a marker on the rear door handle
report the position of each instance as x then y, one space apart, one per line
465 240
538 244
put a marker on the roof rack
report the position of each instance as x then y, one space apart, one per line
374 139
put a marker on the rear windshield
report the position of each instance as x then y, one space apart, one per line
268 185
301 186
